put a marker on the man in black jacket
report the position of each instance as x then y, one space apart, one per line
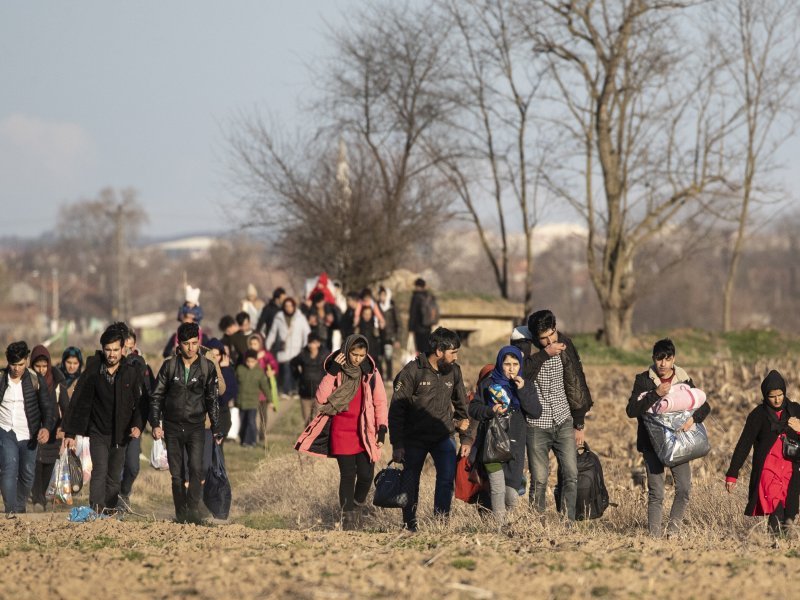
553 365
105 407
185 392
648 388
428 404
420 320
26 418
272 308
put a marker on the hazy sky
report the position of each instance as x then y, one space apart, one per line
99 93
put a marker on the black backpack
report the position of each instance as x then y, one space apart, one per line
430 310
592 497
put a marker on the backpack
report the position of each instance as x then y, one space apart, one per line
592 497
430 310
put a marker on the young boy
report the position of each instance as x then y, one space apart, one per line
308 369
648 389
252 380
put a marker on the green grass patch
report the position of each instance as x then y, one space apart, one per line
467 564
133 555
263 521
594 352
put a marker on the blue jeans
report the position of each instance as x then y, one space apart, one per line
561 440
17 468
443 454
286 378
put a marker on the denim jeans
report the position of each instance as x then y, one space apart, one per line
286 378
443 454
191 440
130 470
682 476
17 468
561 440
107 462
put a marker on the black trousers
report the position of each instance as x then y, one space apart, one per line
355 479
189 439
41 479
130 470
107 462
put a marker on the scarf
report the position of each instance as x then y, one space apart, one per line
772 382
75 352
499 380
340 398
38 353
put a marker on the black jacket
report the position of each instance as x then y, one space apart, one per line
578 395
148 381
425 404
390 332
180 404
308 372
481 410
127 396
415 310
266 318
758 435
645 384
39 410
59 400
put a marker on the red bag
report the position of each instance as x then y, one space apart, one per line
468 483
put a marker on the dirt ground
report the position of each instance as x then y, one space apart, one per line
276 545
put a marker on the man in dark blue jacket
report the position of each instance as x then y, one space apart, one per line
26 418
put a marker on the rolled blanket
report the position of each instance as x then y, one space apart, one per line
680 397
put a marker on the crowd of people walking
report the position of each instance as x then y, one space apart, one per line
334 353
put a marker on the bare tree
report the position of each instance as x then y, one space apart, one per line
760 42
490 152
642 114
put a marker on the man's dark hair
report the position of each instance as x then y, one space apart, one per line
277 293
16 352
226 322
443 339
317 296
663 349
116 332
242 317
353 295
366 293
187 331
132 335
541 321
250 353
419 282
313 337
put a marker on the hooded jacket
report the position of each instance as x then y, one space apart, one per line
578 395
638 404
127 396
426 404
316 437
39 411
760 434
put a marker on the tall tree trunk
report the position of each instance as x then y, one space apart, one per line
617 325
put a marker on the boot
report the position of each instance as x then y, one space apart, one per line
351 520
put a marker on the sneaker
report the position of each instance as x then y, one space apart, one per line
11 515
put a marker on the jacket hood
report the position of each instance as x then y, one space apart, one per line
40 352
773 381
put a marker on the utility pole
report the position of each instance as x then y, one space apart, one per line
55 314
118 309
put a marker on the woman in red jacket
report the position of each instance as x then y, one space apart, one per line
351 424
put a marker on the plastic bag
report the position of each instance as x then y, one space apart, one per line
496 443
217 488
84 453
233 433
59 490
158 456
392 488
673 446
75 471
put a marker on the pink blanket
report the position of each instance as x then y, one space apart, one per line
680 397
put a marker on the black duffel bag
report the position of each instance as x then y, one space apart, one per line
217 488
392 488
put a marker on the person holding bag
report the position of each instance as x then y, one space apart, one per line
648 390
503 394
771 430
351 423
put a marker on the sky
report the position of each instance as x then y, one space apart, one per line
136 94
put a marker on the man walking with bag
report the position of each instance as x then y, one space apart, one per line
185 392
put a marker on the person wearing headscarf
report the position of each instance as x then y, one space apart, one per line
287 336
774 480
389 332
48 452
504 394
71 367
351 424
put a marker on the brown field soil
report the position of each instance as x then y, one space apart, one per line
282 539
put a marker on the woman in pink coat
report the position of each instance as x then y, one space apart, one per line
351 424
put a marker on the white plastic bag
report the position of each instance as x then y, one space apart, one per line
83 452
158 456
59 491
233 434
